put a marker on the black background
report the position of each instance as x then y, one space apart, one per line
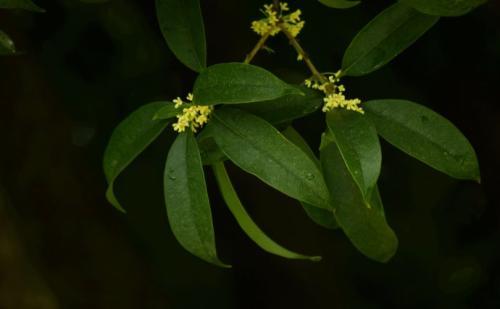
86 66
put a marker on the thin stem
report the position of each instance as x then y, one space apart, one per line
303 54
257 48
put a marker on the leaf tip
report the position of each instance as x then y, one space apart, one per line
110 196
315 259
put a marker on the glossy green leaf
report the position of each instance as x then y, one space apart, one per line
444 7
385 37
424 135
181 23
128 140
287 108
166 112
365 225
340 4
186 198
7 46
322 217
258 148
245 221
236 83
20 4
209 151
359 146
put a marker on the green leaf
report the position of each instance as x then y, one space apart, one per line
287 108
20 4
340 4
365 226
245 221
444 7
209 151
7 46
166 112
322 217
385 37
258 148
424 135
359 146
181 23
128 140
236 83
186 198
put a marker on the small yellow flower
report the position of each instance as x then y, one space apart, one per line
178 102
270 25
334 94
193 116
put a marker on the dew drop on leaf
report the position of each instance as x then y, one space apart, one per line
309 176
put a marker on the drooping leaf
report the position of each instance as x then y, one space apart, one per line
322 217
444 7
359 146
166 112
340 4
365 225
424 135
128 140
385 37
287 108
7 46
258 148
245 221
20 4
236 83
186 198
181 23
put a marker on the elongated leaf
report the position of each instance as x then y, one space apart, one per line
444 7
359 146
186 198
166 112
20 4
424 135
287 108
322 217
258 148
128 140
385 37
366 227
7 46
245 221
236 83
340 4
181 23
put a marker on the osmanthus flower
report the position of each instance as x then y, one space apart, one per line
334 94
192 116
275 19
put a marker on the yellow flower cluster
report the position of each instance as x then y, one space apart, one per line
335 94
192 116
275 18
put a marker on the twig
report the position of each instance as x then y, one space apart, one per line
260 44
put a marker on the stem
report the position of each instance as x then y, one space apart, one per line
305 56
256 49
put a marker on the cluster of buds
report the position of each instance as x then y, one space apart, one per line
192 116
334 94
275 19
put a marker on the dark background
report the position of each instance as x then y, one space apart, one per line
83 67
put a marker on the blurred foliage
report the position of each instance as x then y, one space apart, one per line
85 66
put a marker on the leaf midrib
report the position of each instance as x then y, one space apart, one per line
391 33
249 141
